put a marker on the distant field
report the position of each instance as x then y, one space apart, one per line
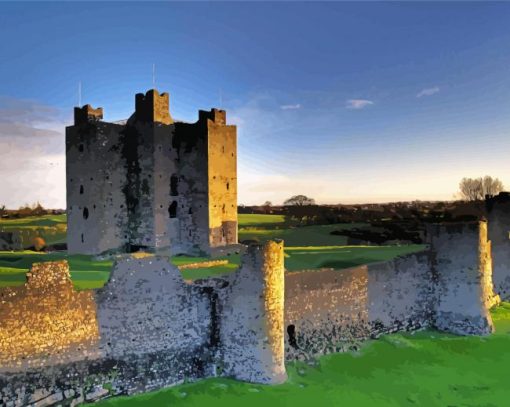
306 247
53 228
339 257
248 219
422 369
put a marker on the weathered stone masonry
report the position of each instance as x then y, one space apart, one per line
448 287
148 328
151 183
498 212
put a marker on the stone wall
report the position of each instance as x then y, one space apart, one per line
145 329
222 178
333 310
448 287
462 269
252 316
150 183
498 212
46 321
96 205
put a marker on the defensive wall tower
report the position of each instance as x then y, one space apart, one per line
498 215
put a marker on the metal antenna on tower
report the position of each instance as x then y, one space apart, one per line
79 93
154 76
221 99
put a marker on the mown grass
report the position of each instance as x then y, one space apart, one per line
307 247
422 369
86 272
339 257
34 221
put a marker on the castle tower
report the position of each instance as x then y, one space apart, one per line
462 272
151 183
498 214
252 322
153 107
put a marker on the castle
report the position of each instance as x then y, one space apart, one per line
151 183
157 185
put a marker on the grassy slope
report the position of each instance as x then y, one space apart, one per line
424 369
51 227
299 258
306 248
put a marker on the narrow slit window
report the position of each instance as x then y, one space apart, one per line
172 210
174 181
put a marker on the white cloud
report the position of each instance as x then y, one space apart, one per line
428 91
358 103
290 107
32 154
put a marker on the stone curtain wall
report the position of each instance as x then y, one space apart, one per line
146 307
330 310
449 288
46 321
146 329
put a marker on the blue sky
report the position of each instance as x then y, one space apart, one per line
343 102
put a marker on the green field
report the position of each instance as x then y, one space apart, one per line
339 257
307 247
265 227
52 228
425 369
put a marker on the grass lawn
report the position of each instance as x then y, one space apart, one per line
339 257
86 272
425 369
53 228
306 247
265 227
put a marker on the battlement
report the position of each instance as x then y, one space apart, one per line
153 107
87 114
215 115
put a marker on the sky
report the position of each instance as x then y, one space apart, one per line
342 102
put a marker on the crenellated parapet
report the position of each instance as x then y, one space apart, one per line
217 116
153 107
87 114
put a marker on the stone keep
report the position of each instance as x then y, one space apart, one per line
151 183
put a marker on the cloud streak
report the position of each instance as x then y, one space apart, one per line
428 92
290 107
358 103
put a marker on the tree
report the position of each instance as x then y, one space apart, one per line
267 207
475 189
299 200
39 243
